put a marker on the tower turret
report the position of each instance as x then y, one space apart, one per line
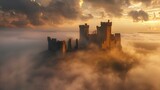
76 45
70 45
49 43
104 34
108 34
84 31
118 40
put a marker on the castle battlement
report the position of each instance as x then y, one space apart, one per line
105 24
84 26
56 46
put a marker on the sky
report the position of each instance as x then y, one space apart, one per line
126 15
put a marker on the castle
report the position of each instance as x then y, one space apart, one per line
102 37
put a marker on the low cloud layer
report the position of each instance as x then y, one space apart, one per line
32 68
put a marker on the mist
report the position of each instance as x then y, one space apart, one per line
25 63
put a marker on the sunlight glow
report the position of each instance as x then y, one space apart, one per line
134 6
153 24
152 21
81 3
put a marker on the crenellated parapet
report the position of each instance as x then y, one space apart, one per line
105 24
56 46
85 26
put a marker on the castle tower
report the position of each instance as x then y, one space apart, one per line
49 43
100 36
104 34
54 45
113 41
61 46
76 45
108 34
63 49
84 31
70 45
118 40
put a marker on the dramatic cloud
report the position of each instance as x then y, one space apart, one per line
139 15
86 17
112 7
115 8
29 8
51 12
146 2
59 10
25 13
20 23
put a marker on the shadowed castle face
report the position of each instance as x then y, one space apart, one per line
56 46
102 37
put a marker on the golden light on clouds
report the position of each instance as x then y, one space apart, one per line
81 3
136 6
153 24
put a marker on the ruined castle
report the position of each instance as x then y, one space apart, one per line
102 37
